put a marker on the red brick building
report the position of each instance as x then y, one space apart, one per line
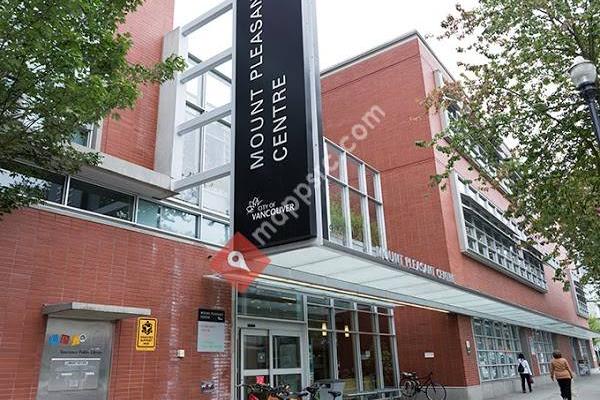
134 238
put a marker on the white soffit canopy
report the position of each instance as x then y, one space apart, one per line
338 268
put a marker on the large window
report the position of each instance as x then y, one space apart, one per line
494 240
51 185
100 200
355 205
542 343
579 294
497 345
164 216
359 337
208 147
349 341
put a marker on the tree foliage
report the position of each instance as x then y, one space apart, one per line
62 66
594 324
518 93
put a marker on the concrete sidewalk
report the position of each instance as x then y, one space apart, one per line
584 388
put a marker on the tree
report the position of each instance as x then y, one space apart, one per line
519 94
594 323
62 66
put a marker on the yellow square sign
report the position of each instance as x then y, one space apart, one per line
146 334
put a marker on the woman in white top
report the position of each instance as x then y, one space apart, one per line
525 372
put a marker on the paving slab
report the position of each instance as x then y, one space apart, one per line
584 388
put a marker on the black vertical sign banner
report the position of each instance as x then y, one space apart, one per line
274 182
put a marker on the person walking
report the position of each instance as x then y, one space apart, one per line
525 372
562 372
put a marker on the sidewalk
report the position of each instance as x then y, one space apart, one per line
584 388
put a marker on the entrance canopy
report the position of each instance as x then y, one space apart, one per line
332 267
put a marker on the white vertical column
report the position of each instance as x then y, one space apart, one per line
171 112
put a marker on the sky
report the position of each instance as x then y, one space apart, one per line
349 27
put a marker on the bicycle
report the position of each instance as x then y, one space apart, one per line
411 384
314 389
260 391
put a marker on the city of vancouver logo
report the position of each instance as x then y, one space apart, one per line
259 210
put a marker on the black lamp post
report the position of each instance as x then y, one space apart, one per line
584 74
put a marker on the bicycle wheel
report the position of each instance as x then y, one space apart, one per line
408 388
435 391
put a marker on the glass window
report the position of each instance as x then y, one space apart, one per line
542 342
286 352
343 320
387 360
368 362
318 318
370 180
351 196
334 156
374 226
217 91
212 231
320 355
83 136
191 196
337 218
346 356
268 303
166 218
384 323
176 221
51 184
87 196
356 220
353 170
148 214
256 352
318 300
497 346
216 149
492 243
365 322
215 196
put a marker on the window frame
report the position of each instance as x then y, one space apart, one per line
515 339
350 192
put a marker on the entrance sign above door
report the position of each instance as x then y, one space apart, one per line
275 123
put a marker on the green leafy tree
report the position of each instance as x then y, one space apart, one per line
595 326
518 93
62 66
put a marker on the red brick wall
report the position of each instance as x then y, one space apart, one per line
420 219
419 331
48 258
392 81
133 136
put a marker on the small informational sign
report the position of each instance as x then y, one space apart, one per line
211 331
430 354
147 329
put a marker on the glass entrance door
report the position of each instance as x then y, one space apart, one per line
272 356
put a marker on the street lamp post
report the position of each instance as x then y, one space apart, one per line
584 74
